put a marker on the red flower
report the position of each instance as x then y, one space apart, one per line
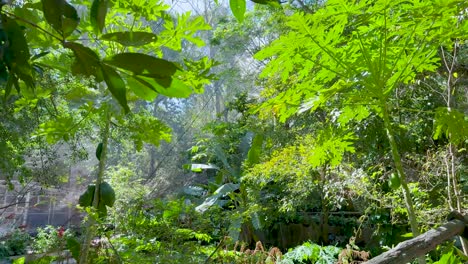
60 231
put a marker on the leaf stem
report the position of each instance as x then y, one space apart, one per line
31 24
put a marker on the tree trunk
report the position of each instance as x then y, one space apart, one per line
450 158
401 173
408 250
324 228
91 225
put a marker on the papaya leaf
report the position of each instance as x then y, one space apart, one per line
60 128
129 38
142 64
147 129
355 112
61 16
98 15
116 86
451 123
238 8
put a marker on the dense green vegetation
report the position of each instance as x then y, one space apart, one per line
268 131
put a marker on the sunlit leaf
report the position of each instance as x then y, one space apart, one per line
142 64
196 167
170 87
238 8
451 123
129 38
274 3
141 90
98 15
254 153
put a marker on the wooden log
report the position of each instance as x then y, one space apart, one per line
410 249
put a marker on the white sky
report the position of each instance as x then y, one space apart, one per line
180 6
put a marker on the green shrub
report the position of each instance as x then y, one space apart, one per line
50 239
311 253
15 244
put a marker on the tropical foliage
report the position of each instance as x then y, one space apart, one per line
267 131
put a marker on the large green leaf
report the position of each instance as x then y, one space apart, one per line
451 123
98 15
197 167
129 38
141 90
171 87
116 86
253 156
274 3
142 64
61 16
86 62
222 191
238 8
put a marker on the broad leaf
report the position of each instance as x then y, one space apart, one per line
141 90
98 15
274 3
129 38
116 86
169 87
253 156
222 191
451 123
61 16
238 8
147 129
142 64
200 167
86 62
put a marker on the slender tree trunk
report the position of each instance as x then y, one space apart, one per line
401 173
450 157
91 225
325 212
